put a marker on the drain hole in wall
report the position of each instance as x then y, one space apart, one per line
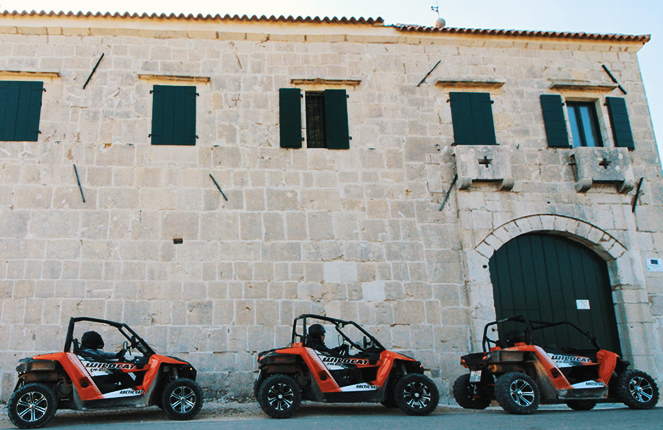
178 240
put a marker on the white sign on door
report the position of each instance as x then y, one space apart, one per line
654 265
583 305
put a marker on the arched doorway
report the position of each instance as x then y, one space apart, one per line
550 278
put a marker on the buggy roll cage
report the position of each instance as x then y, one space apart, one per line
135 340
532 325
338 324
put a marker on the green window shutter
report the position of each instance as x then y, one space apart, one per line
290 117
461 116
173 115
8 110
553 118
484 128
472 117
20 110
337 133
621 126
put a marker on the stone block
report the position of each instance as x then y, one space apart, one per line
339 272
374 291
179 225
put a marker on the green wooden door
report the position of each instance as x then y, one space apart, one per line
550 278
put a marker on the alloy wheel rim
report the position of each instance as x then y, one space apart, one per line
280 396
640 388
522 392
417 395
32 406
182 400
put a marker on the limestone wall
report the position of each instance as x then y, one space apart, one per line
355 234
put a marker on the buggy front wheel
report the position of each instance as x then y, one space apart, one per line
279 396
32 406
637 390
182 399
517 393
416 394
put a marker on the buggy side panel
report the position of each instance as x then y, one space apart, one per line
78 375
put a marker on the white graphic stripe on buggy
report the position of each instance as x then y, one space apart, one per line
125 392
589 384
359 387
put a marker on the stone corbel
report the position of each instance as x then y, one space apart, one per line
604 166
489 163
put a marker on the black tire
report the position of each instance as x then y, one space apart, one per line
43 401
581 405
416 394
181 399
279 396
517 393
470 396
637 390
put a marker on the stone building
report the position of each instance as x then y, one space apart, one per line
537 154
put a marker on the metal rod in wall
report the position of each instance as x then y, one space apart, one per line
78 181
218 187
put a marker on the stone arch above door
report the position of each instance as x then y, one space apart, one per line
602 242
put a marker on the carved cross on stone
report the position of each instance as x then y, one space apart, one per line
605 163
485 161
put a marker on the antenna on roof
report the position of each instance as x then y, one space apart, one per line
439 22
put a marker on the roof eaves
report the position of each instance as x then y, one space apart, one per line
196 17
644 38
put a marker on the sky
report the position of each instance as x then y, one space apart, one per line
595 16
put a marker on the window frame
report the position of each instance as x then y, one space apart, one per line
322 126
577 120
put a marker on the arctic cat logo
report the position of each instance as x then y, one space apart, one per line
365 386
112 366
570 358
130 392
338 360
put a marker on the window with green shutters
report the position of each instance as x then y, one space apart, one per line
173 115
20 110
583 121
472 117
326 114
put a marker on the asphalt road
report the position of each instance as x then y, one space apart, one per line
370 417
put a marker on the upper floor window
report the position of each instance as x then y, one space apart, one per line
326 115
472 117
20 110
584 124
173 115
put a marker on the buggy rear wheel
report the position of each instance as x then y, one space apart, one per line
181 399
517 393
279 396
32 406
416 394
581 405
637 390
470 395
